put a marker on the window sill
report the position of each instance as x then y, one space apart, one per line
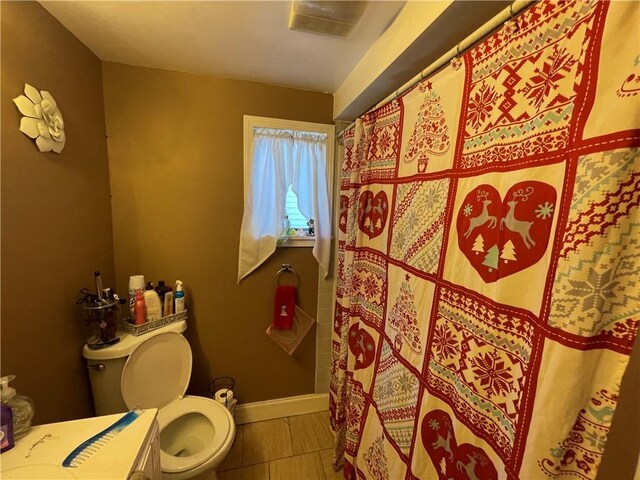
299 242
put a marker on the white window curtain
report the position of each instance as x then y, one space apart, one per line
281 159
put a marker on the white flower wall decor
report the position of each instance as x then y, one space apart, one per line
42 119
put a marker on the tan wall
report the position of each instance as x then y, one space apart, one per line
56 215
175 156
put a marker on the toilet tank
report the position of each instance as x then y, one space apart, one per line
104 376
105 368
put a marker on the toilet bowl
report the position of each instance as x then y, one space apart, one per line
191 441
196 433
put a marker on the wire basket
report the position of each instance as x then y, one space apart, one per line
221 383
137 330
101 321
221 389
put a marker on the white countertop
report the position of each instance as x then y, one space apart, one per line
112 461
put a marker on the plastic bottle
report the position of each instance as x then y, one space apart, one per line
167 308
22 409
140 309
286 230
136 282
6 429
162 290
179 298
152 301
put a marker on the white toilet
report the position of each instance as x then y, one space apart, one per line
153 371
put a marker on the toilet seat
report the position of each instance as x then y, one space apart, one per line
157 371
218 415
156 375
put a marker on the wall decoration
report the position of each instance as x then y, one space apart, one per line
42 119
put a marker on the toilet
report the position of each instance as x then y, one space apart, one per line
153 371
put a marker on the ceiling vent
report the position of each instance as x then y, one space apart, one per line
336 19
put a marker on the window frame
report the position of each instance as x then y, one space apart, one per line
252 122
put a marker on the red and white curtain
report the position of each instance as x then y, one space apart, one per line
488 291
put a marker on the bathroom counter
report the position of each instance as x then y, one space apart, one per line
134 448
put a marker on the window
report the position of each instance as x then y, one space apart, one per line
287 178
296 218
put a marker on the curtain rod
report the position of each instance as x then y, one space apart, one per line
478 35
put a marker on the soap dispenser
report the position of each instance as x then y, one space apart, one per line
22 407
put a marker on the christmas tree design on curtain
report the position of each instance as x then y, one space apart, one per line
430 133
404 319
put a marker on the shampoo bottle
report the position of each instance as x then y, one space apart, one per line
179 297
152 302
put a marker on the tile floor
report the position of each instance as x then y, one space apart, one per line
290 448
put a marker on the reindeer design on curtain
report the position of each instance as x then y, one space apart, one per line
512 223
484 216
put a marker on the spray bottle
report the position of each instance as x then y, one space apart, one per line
140 308
179 298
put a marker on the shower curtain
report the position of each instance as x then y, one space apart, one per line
488 292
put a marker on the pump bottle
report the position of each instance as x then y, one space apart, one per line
179 298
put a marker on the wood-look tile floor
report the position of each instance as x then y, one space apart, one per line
290 448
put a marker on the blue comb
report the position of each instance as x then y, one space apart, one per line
90 446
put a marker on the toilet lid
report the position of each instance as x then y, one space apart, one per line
157 371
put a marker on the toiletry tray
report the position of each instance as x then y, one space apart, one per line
137 330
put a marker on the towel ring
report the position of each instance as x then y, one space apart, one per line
286 268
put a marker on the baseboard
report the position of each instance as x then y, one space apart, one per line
281 407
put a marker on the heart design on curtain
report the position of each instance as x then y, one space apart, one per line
501 237
362 346
349 471
453 461
372 213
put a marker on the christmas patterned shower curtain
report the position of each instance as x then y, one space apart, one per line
488 291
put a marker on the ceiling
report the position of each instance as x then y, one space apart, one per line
245 40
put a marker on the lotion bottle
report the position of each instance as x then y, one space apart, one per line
153 304
179 297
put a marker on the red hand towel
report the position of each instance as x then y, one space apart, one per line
284 307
